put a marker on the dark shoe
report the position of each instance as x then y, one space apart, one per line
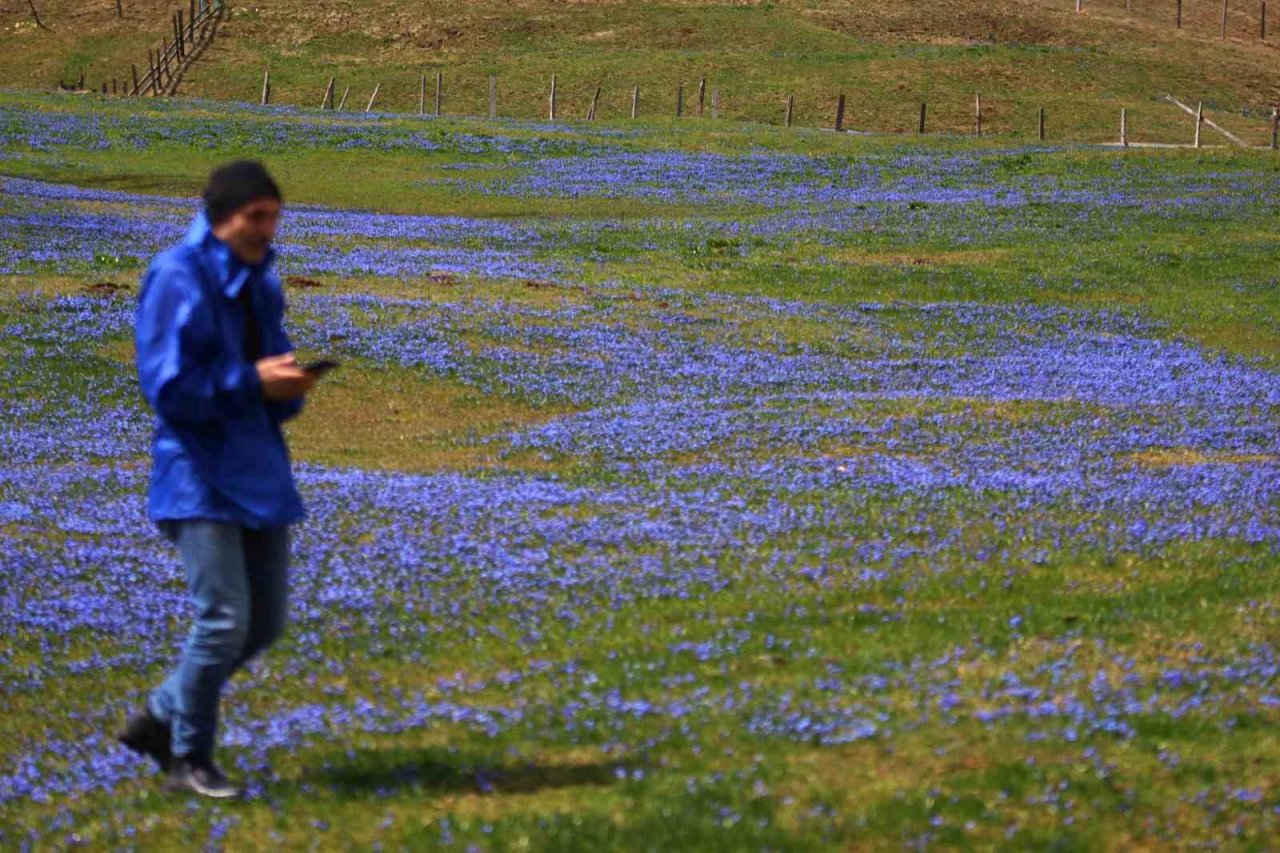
197 774
147 736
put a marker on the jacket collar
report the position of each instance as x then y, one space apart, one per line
232 272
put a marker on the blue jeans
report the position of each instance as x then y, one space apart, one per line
237 578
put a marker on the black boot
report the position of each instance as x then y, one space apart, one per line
197 774
147 736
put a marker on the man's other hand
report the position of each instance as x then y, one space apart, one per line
282 378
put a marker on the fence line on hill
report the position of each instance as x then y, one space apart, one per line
194 32
198 32
553 111
1228 11
166 64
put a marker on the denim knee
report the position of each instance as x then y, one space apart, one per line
221 630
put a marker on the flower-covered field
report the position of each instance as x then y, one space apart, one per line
728 497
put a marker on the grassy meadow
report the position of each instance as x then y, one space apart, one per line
686 485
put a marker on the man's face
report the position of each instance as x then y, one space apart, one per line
249 231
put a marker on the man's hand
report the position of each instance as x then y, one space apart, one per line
282 378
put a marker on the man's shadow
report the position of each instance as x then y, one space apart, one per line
435 770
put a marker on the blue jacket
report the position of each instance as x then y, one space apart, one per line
219 453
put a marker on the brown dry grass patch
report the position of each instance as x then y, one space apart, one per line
919 259
396 420
1170 457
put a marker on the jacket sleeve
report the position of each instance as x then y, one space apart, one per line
184 369
280 410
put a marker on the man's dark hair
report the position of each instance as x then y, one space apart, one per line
233 186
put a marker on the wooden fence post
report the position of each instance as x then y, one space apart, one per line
439 86
924 112
327 102
119 9
977 108
1124 127
553 98
373 97
840 114
191 18
1042 124
595 100
715 103
1199 121
1179 2
680 100
702 94
266 86
181 33
1275 127
422 94
1201 118
493 96
1224 18
343 102
134 68
791 102
1262 21
635 101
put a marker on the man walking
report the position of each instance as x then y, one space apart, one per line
218 369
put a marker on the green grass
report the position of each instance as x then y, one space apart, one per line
713 785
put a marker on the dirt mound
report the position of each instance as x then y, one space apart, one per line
301 282
106 288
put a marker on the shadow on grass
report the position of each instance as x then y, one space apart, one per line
380 772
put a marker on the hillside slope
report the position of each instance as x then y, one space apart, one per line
886 56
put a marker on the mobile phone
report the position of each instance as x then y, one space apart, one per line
321 367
